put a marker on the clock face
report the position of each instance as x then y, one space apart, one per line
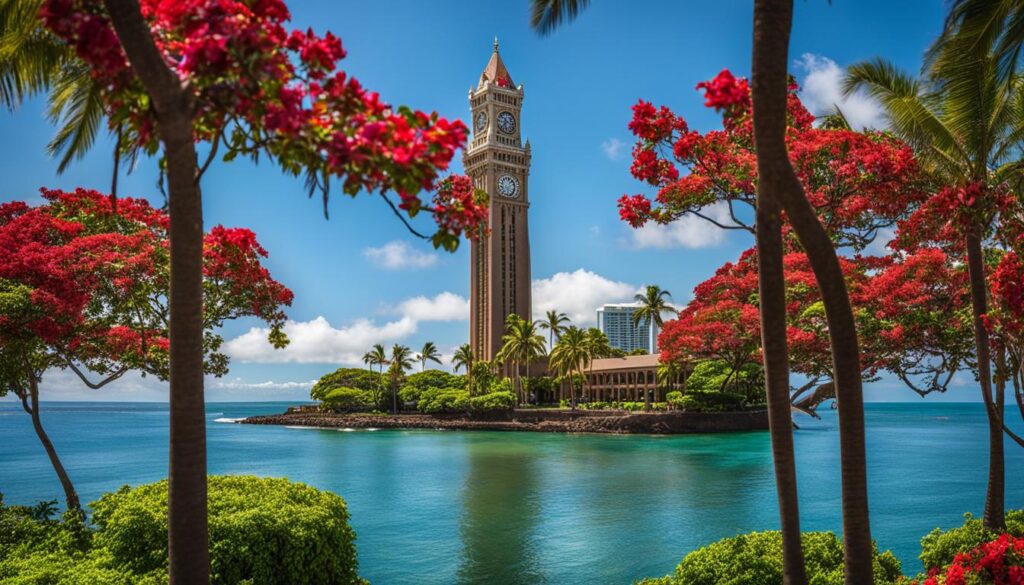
508 186
481 121
506 122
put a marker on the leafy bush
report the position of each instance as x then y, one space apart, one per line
675 400
349 400
757 558
711 402
416 383
997 562
436 400
345 378
495 401
540 385
262 530
718 376
938 548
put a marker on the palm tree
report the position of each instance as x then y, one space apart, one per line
597 347
667 374
429 353
570 356
773 164
553 323
652 303
401 360
377 356
463 358
965 126
33 62
779 189
521 344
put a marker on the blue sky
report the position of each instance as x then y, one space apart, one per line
350 288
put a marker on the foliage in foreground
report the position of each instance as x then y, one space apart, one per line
262 530
757 558
939 548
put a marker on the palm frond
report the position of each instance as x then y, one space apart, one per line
547 15
76 107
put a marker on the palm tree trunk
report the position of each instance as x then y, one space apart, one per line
30 403
772 25
772 291
994 518
188 545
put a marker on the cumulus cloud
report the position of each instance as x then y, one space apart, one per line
578 294
612 148
822 92
688 231
443 307
319 342
398 255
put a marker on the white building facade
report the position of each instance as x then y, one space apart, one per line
616 321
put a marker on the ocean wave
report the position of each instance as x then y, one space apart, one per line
227 420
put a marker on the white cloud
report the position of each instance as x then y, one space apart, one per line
443 307
612 148
578 294
239 384
397 255
319 342
688 231
822 92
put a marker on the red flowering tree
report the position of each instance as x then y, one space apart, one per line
858 182
230 73
84 287
722 323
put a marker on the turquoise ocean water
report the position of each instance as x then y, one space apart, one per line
490 507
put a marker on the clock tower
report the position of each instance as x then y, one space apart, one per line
499 163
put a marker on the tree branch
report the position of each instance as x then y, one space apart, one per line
95 385
398 214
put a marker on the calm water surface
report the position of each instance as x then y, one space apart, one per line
490 507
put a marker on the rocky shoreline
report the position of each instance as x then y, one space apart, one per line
533 420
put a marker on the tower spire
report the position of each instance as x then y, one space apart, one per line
495 43
495 71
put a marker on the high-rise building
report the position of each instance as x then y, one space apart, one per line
499 163
616 321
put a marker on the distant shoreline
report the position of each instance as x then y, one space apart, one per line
531 420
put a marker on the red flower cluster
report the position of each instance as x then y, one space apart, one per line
998 562
459 208
634 209
726 92
280 88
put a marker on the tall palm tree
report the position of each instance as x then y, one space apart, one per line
428 353
570 357
521 344
401 360
463 358
377 356
552 321
773 165
965 126
598 346
653 302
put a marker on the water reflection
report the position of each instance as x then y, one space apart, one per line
500 512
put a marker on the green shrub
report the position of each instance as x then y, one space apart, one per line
711 402
437 400
675 400
718 376
540 385
349 399
939 547
345 378
495 401
416 383
262 530
757 558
